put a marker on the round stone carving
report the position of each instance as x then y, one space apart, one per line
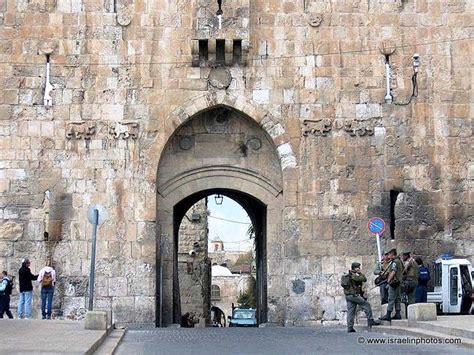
124 15
298 286
316 20
254 143
220 78
390 140
185 143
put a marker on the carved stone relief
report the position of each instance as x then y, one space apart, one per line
124 130
318 127
354 127
80 130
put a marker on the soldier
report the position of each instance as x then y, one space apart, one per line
410 277
394 279
352 284
381 270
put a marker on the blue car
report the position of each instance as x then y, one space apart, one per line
243 317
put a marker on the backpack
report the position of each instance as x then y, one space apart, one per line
47 280
8 289
346 281
424 274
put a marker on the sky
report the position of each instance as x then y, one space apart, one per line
234 235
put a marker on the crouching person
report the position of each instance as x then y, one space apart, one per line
352 284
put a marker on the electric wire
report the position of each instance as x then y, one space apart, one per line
257 58
229 220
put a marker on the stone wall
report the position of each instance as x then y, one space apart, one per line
123 81
194 270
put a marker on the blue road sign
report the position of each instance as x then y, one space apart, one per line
376 225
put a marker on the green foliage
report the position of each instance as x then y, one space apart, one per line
248 298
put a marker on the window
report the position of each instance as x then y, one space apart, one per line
203 52
215 293
220 51
453 286
237 51
437 275
393 202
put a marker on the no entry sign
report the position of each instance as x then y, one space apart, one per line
376 225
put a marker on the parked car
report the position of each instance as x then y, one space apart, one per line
243 317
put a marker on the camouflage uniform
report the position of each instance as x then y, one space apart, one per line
354 297
410 277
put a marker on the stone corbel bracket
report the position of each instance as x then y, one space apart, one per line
80 130
124 130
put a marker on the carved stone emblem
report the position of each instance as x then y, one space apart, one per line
124 130
80 130
318 127
254 143
220 78
125 13
186 143
315 20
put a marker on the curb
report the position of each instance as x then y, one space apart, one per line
99 341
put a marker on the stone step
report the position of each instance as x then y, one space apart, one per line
417 332
444 329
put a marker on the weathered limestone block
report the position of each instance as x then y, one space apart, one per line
11 231
96 320
419 312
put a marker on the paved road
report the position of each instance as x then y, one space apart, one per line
271 340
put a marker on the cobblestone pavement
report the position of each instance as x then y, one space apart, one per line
271 340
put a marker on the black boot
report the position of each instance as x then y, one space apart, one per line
397 315
371 322
351 330
387 317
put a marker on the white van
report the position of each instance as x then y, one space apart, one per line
453 281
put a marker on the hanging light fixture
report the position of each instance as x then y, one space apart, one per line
219 11
218 198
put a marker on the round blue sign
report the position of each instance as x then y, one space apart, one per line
376 225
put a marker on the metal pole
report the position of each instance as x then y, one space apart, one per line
161 283
379 250
92 270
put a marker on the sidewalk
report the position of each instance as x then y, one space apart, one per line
48 336
458 327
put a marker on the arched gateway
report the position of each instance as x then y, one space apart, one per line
218 150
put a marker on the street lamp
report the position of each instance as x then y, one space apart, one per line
218 198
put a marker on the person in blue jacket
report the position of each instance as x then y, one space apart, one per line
421 292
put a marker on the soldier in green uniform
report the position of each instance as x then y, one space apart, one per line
410 277
394 290
355 296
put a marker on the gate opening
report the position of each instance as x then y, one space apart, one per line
210 276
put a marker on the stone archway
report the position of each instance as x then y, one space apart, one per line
210 100
218 149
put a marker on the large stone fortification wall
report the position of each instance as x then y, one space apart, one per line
125 73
